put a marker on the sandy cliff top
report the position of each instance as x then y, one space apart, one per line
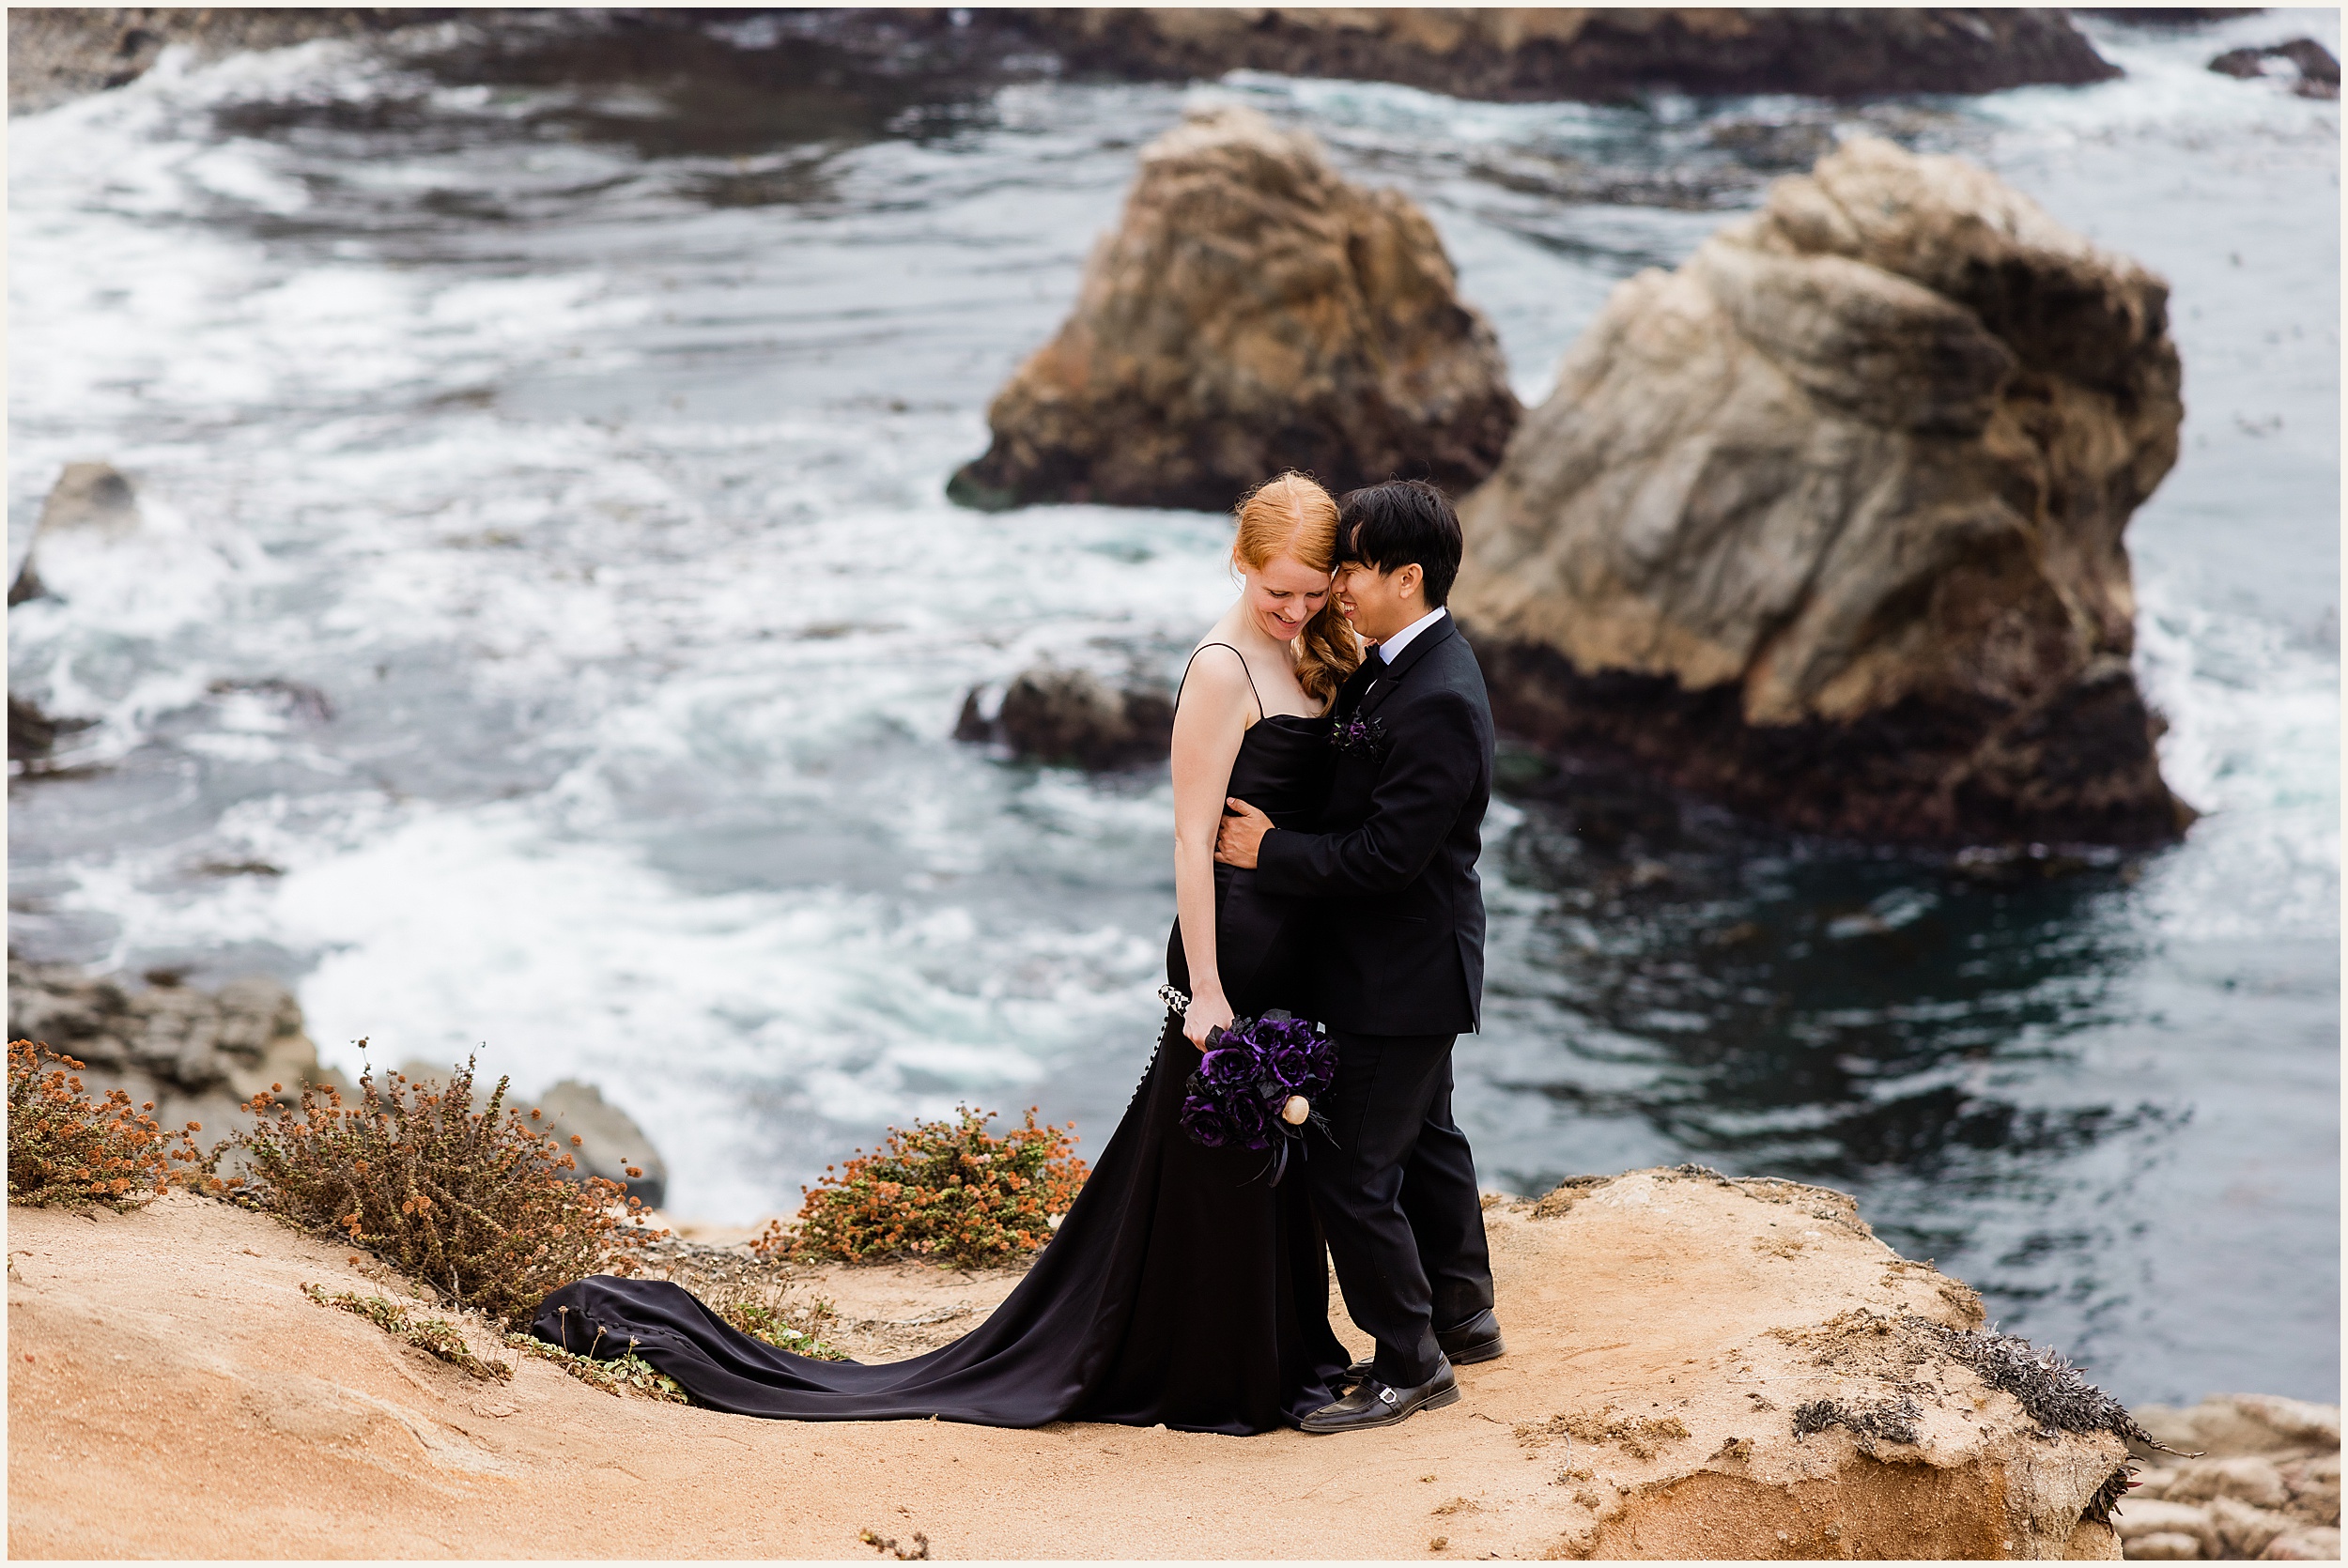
173 1393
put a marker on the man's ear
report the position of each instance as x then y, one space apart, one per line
1407 579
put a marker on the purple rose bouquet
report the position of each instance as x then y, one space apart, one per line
1257 1081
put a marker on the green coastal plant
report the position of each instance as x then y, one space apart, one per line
476 1202
65 1149
615 1375
436 1336
948 1191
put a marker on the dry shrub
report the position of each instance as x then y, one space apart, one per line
475 1204
945 1190
64 1149
436 1336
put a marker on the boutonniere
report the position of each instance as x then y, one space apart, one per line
1365 738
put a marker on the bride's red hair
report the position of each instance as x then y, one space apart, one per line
1291 516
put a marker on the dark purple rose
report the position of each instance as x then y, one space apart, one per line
1288 1062
1228 1067
1249 1122
1203 1121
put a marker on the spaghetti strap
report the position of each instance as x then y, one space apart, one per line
1243 670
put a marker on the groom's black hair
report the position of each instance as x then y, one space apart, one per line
1397 523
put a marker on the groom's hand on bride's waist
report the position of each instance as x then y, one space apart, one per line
1241 833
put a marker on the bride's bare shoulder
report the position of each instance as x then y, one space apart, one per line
1216 681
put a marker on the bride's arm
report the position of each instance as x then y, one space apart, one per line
1209 725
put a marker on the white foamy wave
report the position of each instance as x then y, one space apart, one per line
2253 744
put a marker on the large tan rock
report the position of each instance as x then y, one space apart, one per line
1696 1368
1252 311
1581 51
1828 522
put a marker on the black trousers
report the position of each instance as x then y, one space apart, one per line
1397 1200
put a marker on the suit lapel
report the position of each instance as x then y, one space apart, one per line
1350 694
1391 676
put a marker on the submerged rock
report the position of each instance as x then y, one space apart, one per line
1074 718
1827 524
1589 52
198 1054
1253 312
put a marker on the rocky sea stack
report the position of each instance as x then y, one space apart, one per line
1584 51
1253 312
1827 524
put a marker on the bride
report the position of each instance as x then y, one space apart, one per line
1180 1288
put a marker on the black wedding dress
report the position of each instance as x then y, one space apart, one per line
1180 1289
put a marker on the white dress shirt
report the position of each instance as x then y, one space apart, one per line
1392 648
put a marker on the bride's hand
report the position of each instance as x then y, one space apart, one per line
1205 1013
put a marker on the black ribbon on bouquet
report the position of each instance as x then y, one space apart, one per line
1270 1091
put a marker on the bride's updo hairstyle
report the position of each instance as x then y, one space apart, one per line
1291 516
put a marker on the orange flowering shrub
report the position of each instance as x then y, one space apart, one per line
65 1149
945 1190
472 1202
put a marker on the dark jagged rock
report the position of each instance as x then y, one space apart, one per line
1071 717
1828 524
2317 71
1253 312
1588 52
33 735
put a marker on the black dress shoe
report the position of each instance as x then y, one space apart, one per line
1476 1340
1373 1404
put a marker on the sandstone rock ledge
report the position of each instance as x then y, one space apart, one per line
1697 1368
1828 523
1252 311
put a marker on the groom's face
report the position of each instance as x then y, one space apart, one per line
1380 604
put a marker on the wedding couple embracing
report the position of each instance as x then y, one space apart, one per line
1333 757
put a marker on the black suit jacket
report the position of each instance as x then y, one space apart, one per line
1402 951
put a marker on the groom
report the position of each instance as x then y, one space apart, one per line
1401 970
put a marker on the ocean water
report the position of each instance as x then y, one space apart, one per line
546 624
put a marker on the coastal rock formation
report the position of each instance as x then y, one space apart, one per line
1589 52
198 1054
1071 717
1827 524
91 499
2263 1481
57 52
1696 1368
1253 312
2315 72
